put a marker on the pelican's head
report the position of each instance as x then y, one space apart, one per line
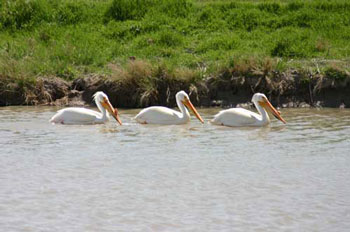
261 99
182 97
102 98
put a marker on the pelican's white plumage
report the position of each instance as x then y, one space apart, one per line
77 115
243 117
164 115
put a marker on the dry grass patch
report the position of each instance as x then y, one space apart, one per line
186 75
322 45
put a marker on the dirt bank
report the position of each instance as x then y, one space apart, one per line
288 89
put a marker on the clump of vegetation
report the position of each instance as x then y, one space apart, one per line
121 10
21 14
335 72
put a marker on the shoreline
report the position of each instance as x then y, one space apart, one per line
287 90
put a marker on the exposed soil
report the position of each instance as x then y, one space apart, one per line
228 90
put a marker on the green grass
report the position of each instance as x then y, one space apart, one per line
69 39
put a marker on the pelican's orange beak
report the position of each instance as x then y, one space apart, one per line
116 116
267 105
114 112
188 103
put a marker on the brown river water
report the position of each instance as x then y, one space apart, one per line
194 177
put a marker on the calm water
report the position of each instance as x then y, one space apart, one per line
293 177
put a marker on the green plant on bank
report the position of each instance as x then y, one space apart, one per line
188 39
335 72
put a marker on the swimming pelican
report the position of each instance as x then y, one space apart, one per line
243 117
76 115
163 115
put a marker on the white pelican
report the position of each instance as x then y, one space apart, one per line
163 115
76 115
243 117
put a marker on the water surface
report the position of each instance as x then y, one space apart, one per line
193 177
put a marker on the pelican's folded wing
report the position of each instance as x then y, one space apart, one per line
235 117
157 115
75 115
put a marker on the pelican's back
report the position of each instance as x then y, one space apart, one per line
158 115
75 115
236 117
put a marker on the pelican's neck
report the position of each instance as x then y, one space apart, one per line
104 112
185 114
264 115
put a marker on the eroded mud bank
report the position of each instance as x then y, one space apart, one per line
290 89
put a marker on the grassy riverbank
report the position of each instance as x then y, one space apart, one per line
181 41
